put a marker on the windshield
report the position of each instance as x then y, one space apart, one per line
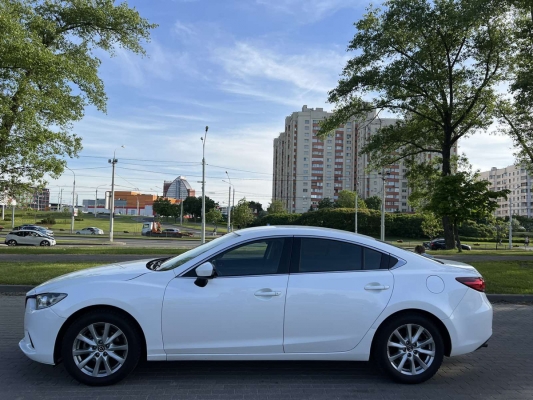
189 255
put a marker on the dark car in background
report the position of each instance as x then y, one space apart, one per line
440 244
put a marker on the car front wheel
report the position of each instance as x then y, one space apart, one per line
12 243
101 348
409 349
45 243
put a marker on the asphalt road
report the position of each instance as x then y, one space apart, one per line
502 371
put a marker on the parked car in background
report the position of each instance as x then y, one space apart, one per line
37 228
268 293
91 230
29 238
440 244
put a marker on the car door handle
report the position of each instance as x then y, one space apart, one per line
376 287
265 293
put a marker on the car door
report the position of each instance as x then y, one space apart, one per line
24 237
240 311
336 291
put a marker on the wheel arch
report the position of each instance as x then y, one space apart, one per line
440 325
100 307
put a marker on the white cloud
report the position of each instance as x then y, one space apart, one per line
308 10
183 30
485 151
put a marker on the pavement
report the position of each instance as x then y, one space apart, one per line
502 371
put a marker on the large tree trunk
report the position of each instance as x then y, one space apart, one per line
447 170
456 234
448 233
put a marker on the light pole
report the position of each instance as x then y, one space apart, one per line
384 176
96 200
511 218
73 199
229 202
204 139
356 207
112 202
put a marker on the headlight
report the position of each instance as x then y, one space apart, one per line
46 300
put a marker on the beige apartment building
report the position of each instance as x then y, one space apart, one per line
307 169
518 181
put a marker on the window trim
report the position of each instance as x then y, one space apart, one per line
296 249
287 248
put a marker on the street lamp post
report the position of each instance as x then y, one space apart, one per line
356 207
73 200
384 176
203 183
511 218
96 200
112 200
229 202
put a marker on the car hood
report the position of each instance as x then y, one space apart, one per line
113 272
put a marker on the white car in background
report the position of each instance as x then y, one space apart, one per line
29 238
90 231
270 293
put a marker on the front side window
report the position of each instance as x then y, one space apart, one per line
263 257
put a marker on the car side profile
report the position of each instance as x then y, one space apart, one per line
29 238
269 293
91 230
440 244
37 228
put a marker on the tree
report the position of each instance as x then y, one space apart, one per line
214 216
433 63
242 215
255 206
162 207
49 74
193 205
174 211
276 207
431 226
461 197
326 202
373 203
346 199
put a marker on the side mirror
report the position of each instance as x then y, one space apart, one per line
204 272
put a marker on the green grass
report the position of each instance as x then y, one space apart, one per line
507 277
496 253
91 250
37 273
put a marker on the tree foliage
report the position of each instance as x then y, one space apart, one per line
242 214
373 203
326 202
49 74
214 216
461 197
346 199
255 206
276 207
431 226
193 205
434 64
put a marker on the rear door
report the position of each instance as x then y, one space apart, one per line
336 291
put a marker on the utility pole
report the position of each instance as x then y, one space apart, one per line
113 162
73 198
356 208
61 199
203 183
229 201
181 213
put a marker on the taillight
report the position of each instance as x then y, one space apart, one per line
477 283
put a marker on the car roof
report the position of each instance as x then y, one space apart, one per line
25 230
282 230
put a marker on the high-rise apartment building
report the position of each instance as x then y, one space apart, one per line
307 169
518 181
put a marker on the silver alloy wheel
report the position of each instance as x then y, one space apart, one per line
45 243
411 349
11 243
100 349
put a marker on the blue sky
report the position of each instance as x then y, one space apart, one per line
238 66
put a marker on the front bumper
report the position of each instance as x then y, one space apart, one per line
470 325
41 328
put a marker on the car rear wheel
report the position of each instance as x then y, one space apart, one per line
101 348
409 349
11 242
44 243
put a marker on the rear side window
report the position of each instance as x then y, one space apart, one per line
326 255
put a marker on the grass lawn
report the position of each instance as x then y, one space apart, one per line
507 277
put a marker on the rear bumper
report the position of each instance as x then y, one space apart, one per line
470 325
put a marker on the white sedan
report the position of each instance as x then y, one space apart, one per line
270 293
90 231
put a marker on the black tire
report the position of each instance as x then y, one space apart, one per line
12 242
77 233
97 318
45 243
381 350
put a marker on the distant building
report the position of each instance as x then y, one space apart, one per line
178 189
131 203
39 199
518 181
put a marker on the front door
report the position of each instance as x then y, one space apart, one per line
335 293
240 311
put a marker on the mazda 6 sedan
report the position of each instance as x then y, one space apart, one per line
270 293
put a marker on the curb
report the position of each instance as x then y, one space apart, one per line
493 298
